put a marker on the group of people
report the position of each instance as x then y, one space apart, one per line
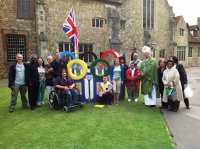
156 79
38 77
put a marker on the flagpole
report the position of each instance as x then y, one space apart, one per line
76 50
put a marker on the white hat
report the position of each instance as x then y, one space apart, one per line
146 49
49 57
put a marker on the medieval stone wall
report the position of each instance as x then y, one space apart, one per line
9 23
182 40
194 60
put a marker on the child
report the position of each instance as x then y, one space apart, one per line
132 82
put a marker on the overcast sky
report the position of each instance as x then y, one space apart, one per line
189 9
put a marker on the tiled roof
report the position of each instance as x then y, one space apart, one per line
193 39
193 27
177 19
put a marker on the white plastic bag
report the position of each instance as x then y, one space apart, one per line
188 93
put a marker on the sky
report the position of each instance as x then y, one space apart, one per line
189 9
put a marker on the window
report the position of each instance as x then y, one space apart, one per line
162 54
195 33
23 9
190 52
181 32
198 52
181 53
153 53
148 13
122 24
83 48
97 23
15 44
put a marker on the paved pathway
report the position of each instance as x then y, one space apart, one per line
185 124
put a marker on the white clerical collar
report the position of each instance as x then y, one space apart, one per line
146 59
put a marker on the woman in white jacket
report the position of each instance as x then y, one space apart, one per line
171 78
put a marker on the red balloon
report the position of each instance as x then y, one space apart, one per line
114 53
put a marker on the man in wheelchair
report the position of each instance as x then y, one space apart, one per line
67 89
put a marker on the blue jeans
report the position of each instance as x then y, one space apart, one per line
72 97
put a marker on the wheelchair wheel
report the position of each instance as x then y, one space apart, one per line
54 100
65 108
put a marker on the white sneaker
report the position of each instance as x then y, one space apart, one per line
136 100
42 103
129 100
39 104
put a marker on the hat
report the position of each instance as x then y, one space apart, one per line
146 49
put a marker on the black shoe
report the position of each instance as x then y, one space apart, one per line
32 108
170 109
187 107
165 107
77 103
109 105
175 110
11 110
25 107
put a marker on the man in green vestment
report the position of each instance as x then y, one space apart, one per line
149 78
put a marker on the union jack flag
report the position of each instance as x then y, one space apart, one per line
69 27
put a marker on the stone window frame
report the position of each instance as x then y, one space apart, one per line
84 47
14 32
162 53
181 32
190 52
149 18
122 24
181 53
101 21
32 10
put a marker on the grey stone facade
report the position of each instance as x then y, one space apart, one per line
45 32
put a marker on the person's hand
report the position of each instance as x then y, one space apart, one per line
122 82
169 85
71 87
12 88
51 69
100 95
65 87
112 82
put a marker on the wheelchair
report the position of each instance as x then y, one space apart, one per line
58 100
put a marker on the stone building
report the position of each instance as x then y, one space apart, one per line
187 42
34 27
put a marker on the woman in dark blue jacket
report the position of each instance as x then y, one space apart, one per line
122 61
117 79
32 81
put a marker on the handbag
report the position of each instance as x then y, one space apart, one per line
173 96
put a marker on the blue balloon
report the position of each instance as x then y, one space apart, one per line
70 54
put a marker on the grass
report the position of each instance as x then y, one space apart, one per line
128 125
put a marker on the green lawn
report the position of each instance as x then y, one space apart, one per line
127 125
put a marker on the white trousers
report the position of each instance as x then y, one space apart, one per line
48 90
151 101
